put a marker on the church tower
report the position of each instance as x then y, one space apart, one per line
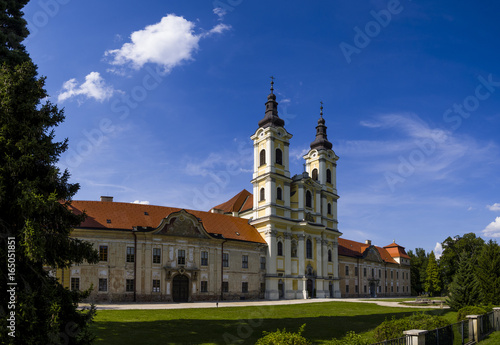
321 165
271 189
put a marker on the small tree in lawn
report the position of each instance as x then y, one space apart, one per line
432 281
464 288
488 273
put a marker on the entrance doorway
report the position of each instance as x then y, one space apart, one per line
180 289
373 290
281 289
310 288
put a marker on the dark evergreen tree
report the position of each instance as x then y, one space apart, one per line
452 248
488 273
464 288
432 280
35 221
418 270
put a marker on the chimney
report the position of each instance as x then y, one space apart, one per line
107 198
368 242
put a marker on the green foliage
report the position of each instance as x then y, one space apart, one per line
487 273
452 248
418 270
470 310
464 288
432 283
394 328
351 338
34 201
282 337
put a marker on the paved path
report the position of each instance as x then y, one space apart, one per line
124 306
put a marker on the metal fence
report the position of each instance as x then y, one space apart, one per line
454 334
486 324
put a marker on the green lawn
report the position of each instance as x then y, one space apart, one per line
242 325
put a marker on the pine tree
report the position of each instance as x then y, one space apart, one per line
464 288
432 281
35 221
488 273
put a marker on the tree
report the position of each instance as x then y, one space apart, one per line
452 248
35 221
464 288
418 269
488 273
432 280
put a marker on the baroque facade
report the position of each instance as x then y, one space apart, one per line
281 241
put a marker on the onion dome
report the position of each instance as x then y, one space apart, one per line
271 118
321 142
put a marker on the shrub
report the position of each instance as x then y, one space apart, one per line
351 338
390 329
283 338
470 310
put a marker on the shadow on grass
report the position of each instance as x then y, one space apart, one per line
243 331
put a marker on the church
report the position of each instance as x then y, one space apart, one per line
279 242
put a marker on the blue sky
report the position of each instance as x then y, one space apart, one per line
161 99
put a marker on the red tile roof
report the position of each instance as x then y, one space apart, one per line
125 216
396 250
240 202
357 250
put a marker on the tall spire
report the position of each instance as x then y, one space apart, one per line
321 142
271 117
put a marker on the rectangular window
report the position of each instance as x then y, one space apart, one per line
244 287
204 286
157 255
225 287
204 258
181 257
386 289
380 273
262 262
392 288
129 285
103 284
356 271
130 254
397 275
356 289
103 253
346 270
347 289
156 285
262 287
392 274
244 261
225 259
75 284
397 288
364 289
364 271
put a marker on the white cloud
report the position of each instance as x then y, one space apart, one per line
493 229
94 87
495 207
168 43
438 250
141 202
220 12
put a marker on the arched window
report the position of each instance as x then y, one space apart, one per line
309 249
279 157
294 249
262 157
330 256
279 194
329 208
262 194
328 176
308 199
280 248
315 174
